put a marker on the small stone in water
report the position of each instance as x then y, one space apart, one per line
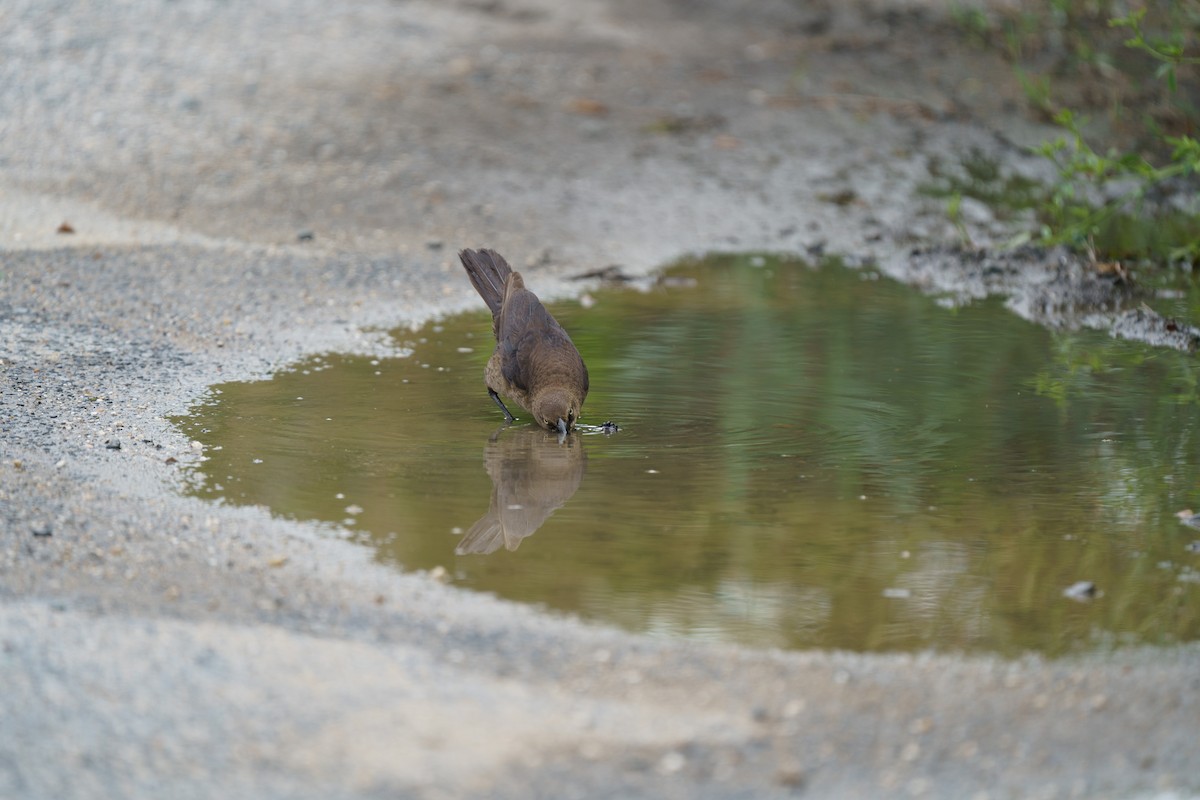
1193 547
610 427
1081 591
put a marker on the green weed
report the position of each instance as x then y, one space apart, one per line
1119 166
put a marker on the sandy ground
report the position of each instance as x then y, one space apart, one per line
251 183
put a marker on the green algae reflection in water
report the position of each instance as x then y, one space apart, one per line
808 458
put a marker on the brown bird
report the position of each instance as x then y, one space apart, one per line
535 362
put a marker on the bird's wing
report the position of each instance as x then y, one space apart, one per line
524 326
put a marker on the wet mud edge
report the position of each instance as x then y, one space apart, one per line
1051 287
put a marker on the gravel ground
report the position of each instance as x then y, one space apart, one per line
251 183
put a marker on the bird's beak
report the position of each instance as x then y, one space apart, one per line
562 427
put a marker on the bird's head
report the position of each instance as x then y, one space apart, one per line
556 410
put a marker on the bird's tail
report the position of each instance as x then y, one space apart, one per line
487 270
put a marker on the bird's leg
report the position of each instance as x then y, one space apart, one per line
507 414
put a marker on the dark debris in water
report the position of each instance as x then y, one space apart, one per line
610 274
607 428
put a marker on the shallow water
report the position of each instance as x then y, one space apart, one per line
807 458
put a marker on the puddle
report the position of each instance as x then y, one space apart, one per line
808 458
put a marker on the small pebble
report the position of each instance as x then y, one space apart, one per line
40 529
112 444
671 763
1081 591
305 236
793 708
920 725
791 776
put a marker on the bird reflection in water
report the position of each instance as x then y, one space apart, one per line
534 473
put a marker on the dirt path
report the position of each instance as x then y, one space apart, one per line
247 185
